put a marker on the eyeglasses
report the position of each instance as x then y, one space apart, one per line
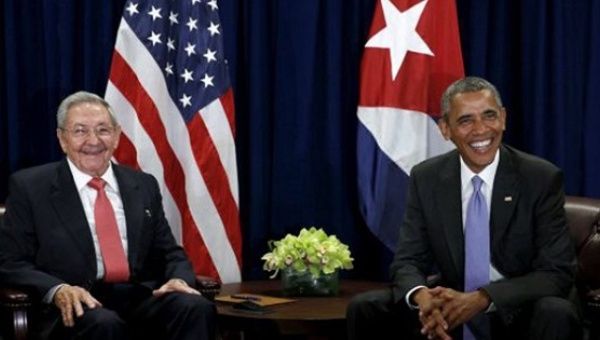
80 132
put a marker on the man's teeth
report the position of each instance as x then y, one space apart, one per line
481 144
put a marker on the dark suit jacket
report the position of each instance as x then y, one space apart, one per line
46 240
530 244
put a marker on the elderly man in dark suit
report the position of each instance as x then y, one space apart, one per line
487 218
90 237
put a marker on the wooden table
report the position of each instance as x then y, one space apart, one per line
307 317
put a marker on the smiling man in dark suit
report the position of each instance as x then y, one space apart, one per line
489 220
91 239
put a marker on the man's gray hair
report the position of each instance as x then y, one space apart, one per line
80 98
468 84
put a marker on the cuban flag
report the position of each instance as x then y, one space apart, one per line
411 56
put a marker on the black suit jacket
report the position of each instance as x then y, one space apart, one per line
46 240
530 244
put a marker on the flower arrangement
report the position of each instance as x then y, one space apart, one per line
312 250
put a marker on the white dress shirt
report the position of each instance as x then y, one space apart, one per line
88 195
466 175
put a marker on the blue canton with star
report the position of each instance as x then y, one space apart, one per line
184 37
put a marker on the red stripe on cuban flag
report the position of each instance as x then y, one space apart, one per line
412 55
191 153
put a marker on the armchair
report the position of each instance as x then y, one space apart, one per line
17 305
14 306
583 216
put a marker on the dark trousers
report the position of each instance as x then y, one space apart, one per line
374 315
131 312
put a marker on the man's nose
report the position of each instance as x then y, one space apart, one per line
92 137
479 125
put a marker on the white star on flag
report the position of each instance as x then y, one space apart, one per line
171 44
192 24
187 75
213 29
155 13
207 80
190 49
173 18
132 9
169 68
186 100
213 4
155 38
400 35
210 55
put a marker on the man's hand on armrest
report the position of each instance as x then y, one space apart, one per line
175 285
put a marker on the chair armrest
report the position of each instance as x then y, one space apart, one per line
208 286
592 300
16 303
14 298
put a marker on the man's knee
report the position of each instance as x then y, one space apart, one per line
189 316
368 303
191 304
101 321
374 315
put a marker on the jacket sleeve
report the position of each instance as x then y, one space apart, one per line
413 258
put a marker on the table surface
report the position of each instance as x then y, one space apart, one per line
303 308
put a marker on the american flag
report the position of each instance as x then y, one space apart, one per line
170 89
412 55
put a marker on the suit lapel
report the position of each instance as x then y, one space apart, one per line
67 204
133 208
449 202
504 197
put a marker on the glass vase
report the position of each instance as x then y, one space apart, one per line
295 283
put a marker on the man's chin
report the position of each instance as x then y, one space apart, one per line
94 168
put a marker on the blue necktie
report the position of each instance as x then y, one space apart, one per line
477 245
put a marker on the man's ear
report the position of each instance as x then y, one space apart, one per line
61 141
444 128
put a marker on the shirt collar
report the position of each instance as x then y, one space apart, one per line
487 174
82 179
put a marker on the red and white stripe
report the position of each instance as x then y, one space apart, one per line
194 162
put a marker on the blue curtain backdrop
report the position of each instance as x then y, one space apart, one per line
294 67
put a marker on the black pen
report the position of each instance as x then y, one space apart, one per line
245 297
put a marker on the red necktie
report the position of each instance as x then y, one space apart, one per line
116 268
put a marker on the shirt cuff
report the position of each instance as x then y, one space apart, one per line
409 294
49 297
